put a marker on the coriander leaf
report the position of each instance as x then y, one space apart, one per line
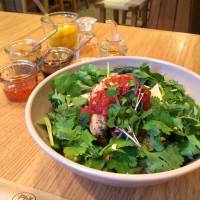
178 123
192 146
95 73
63 129
57 99
74 152
156 76
111 122
139 74
84 119
93 70
122 162
155 139
146 114
112 92
143 74
94 151
85 138
64 133
79 101
96 163
85 78
116 144
165 160
157 124
75 90
113 110
159 112
64 82
131 83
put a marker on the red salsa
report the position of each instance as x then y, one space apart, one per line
20 88
99 102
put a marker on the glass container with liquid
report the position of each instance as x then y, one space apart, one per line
67 29
18 79
56 58
113 45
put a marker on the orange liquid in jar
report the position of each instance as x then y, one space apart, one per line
20 88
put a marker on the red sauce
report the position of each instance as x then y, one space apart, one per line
99 102
20 88
121 81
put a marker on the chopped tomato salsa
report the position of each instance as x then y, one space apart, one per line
99 102
20 88
121 81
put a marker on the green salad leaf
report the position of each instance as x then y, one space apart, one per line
165 160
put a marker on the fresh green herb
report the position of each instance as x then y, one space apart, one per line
112 92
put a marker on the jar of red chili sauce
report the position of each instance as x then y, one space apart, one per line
18 79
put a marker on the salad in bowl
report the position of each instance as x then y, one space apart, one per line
128 120
125 121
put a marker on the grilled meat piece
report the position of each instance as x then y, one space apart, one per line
98 128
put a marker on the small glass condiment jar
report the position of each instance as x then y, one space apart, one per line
22 50
57 58
113 45
67 33
18 79
90 50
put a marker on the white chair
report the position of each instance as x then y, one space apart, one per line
136 7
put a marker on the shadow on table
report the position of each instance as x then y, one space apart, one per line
59 180
175 189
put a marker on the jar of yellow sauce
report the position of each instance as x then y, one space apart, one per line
67 29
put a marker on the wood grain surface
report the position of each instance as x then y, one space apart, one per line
22 161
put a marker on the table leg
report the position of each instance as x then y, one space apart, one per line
87 4
74 5
102 14
145 14
24 6
135 12
116 16
124 15
62 5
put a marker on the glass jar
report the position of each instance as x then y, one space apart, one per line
57 58
113 45
22 50
90 49
67 29
18 80
113 48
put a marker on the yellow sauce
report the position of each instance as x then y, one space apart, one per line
65 37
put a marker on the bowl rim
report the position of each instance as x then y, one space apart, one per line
78 168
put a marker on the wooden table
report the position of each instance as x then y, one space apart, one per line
22 161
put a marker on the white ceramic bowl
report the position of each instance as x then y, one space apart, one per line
38 105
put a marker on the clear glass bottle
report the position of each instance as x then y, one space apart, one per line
90 49
113 45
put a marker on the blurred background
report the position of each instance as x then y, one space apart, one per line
172 15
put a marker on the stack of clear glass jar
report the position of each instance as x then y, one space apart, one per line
19 76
